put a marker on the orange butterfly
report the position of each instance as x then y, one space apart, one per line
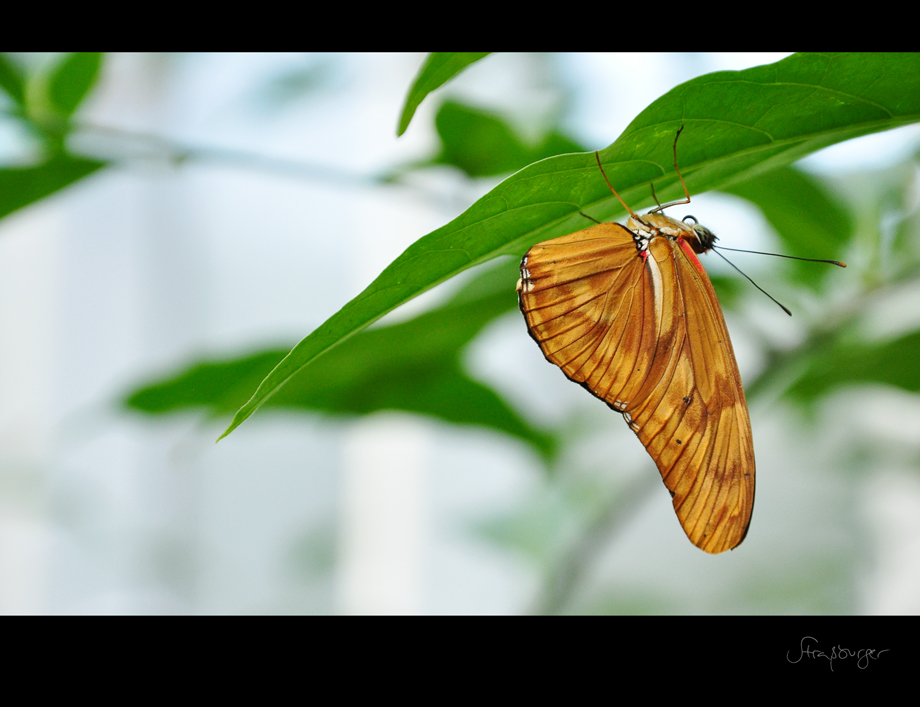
630 314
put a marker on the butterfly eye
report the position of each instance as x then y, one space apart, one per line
706 237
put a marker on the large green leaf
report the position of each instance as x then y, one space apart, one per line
437 70
414 366
20 186
737 124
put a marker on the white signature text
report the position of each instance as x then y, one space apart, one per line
808 648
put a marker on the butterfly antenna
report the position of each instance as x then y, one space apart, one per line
679 175
631 212
791 257
752 282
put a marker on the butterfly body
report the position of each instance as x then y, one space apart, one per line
654 225
629 313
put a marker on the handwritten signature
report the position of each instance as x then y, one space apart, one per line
864 656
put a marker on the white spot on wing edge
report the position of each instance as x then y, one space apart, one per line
524 285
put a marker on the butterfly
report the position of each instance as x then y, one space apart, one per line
629 313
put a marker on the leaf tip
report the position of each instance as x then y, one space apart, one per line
233 425
404 120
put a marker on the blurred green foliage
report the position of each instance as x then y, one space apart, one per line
21 186
43 103
12 80
894 362
438 69
482 144
415 366
809 220
71 80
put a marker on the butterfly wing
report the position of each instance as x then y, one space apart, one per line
647 336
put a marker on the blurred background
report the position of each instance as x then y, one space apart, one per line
194 216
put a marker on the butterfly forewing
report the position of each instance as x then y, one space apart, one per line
647 336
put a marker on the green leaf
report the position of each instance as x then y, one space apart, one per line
21 186
810 222
415 366
72 79
482 144
437 70
737 124
12 80
891 362
478 142
213 385
555 143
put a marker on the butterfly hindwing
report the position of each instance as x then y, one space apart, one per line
699 432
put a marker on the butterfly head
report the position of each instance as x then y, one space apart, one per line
705 239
